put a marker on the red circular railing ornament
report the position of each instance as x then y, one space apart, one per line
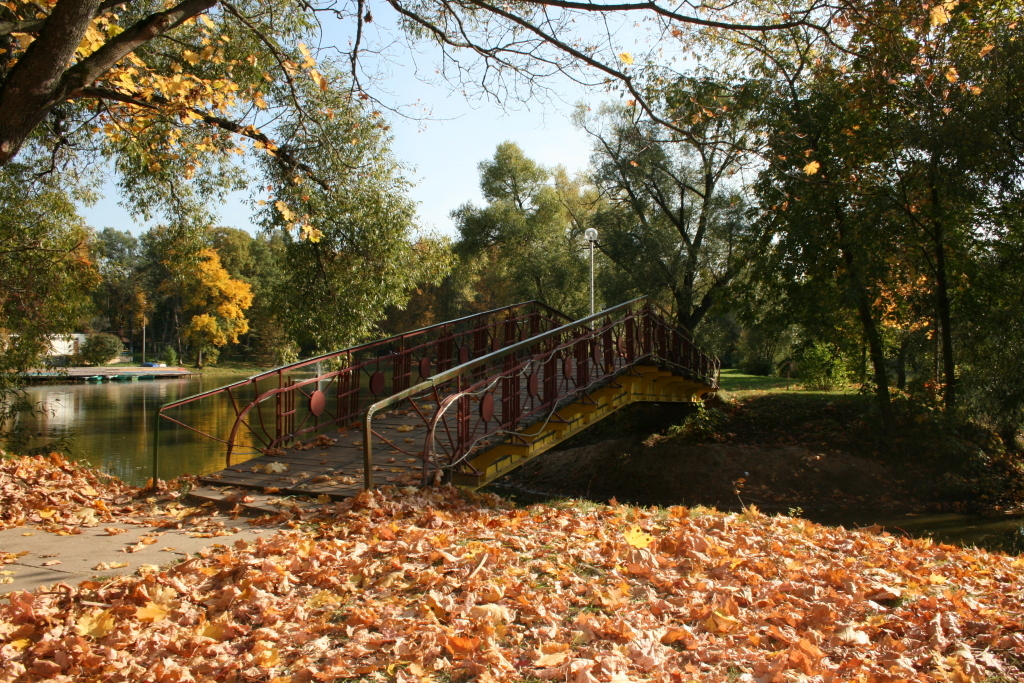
463 355
425 368
567 367
487 407
597 352
495 343
533 385
317 403
377 383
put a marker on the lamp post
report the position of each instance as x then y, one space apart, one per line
591 235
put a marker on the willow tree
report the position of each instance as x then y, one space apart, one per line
351 248
45 273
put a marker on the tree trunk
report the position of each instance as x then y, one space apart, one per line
871 334
942 303
901 365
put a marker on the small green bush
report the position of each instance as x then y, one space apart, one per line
169 356
700 425
99 349
823 368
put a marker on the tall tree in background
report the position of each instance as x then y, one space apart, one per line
885 164
217 303
526 243
120 298
674 224
350 251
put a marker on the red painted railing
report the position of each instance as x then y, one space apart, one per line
459 386
334 389
491 399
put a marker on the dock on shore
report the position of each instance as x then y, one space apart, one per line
110 373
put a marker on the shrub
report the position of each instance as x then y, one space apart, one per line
823 368
169 355
102 348
700 425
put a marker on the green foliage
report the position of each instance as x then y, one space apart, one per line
527 242
45 276
673 224
700 425
823 368
350 250
169 356
100 349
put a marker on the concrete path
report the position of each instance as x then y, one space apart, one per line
50 558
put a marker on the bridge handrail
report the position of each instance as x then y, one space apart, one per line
461 370
351 352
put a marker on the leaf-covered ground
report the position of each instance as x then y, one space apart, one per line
60 496
431 585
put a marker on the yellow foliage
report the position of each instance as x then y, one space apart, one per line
221 302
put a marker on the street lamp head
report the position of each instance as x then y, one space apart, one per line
590 234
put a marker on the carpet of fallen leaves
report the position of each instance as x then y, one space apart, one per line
60 496
436 585
51 490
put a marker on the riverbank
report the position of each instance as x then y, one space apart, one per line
438 585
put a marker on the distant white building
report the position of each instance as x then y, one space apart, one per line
66 344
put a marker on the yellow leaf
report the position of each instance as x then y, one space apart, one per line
940 14
951 75
190 57
310 233
320 80
936 579
637 538
323 498
812 168
286 213
207 21
307 56
46 513
275 467
151 612
21 644
214 630
553 659
625 58
24 39
721 623
985 50
95 624
321 599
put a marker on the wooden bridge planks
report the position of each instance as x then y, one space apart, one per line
337 469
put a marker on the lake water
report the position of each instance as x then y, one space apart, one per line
111 425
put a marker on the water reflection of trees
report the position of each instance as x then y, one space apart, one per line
110 426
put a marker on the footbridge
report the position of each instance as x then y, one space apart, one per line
463 401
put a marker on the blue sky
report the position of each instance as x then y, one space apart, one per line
442 152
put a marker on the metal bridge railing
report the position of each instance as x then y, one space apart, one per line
477 404
280 405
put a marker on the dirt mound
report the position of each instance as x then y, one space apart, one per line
723 475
